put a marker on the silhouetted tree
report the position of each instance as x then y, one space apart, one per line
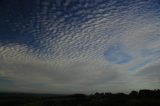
146 93
133 94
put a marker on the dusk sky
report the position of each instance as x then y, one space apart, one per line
79 46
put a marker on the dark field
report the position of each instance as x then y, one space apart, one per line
141 98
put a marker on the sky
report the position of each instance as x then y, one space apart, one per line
79 46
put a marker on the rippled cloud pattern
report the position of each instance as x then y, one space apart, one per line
70 46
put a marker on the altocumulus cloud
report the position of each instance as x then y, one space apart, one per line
68 46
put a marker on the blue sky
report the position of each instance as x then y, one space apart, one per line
117 55
70 46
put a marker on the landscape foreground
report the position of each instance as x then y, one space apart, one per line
134 98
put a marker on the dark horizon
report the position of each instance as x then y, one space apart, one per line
15 92
134 98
